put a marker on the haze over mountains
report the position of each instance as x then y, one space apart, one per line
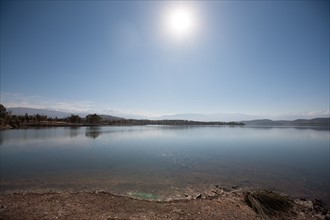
34 111
245 118
298 122
53 113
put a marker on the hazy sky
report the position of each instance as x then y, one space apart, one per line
250 57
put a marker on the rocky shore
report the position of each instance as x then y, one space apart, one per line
217 203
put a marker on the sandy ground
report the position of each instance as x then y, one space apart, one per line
103 205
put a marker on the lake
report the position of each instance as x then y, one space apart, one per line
166 160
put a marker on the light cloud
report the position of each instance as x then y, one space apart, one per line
85 106
19 100
133 114
70 106
301 115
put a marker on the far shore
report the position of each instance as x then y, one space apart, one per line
126 122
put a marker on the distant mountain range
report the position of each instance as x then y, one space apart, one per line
208 117
34 111
249 120
242 117
110 117
298 122
53 113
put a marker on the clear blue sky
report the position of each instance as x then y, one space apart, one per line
251 57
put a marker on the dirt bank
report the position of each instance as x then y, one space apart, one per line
102 205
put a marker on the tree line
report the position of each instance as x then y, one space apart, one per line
169 122
7 120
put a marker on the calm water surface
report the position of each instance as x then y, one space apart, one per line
166 159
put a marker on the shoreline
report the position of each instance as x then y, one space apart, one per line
218 203
68 125
54 125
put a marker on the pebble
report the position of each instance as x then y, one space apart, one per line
319 216
302 214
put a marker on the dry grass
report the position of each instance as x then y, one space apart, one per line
268 204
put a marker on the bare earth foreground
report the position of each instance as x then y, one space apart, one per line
103 205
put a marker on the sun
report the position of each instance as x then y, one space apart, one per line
180 22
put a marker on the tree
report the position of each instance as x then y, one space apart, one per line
74 119
5 117
3 112
93 119
37 117
26 117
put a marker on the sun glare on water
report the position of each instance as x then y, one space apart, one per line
180 22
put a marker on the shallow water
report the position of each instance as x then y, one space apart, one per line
166 159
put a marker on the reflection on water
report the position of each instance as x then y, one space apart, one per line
74 131
93 132
163 159
1 138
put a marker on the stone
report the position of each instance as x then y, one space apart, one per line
226 189
308 204
327 217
